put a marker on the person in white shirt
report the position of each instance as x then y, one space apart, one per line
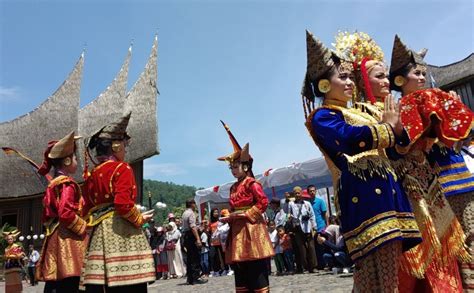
33 257
279 215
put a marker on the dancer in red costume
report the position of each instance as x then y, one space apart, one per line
62 255
248 245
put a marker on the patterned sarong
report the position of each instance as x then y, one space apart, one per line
463 207
118 255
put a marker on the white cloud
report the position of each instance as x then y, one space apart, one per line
164 169
9 93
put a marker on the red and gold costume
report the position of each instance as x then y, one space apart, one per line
13 255
428 115
118 253
63 250
249 231
62 254
248 245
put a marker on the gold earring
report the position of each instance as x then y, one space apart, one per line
116 147
399 80
67 161
324 86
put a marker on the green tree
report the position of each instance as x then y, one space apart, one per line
173 195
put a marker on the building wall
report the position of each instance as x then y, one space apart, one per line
465 90
25 214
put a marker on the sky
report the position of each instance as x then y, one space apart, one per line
239 61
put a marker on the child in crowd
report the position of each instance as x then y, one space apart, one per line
223 232
203 230
162 261
274 239
287 250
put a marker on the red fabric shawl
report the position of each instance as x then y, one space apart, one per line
452 119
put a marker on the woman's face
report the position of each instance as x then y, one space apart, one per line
415 80
215 213
379 82
237 170
10 239
342 85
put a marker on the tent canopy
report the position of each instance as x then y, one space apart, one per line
276 181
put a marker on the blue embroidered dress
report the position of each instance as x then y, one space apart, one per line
454 176
374 209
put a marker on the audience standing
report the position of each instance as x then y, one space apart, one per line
303 242
192 243
320 215
33 257
173 250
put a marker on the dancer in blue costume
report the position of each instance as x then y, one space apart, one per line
376 217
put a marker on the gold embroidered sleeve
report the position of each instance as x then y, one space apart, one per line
78 226
253 214
135 217
384 135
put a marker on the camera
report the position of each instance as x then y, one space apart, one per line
305 218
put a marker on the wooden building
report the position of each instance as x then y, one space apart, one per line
458 76
21 188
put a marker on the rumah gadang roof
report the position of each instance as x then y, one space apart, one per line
451 74
30 133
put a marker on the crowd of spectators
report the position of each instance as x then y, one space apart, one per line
304 238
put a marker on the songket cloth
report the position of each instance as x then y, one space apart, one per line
118 255
443 237
62 255
374 273
463 207
248 245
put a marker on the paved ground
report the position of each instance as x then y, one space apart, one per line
319 282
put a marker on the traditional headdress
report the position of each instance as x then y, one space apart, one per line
114 131
359 48
402 56
13 233
240 154
63 148
319 61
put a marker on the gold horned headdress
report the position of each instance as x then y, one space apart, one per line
13 233
402 56
239 154
319 61
361 50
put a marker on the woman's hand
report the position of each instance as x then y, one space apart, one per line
147 217
391 115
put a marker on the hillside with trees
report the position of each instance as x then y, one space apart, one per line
173 195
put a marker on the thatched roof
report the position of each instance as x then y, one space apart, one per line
452 74
108 106
142 101
30 133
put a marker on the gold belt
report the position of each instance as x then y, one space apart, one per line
239 209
